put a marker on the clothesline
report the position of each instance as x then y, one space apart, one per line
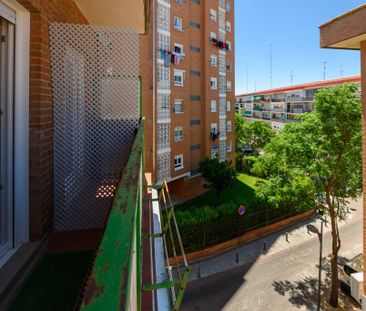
171 57
220 44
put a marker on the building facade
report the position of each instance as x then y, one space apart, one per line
280 105
192 87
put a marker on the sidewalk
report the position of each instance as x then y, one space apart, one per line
271 244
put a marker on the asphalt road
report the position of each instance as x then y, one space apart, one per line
283 281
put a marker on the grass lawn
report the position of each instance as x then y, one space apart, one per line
242 190
54 284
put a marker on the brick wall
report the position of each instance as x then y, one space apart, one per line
41 116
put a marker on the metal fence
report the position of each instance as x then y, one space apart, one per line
206 233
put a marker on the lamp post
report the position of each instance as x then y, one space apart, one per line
314 229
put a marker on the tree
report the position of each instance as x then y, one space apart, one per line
217 175
318 157
253 134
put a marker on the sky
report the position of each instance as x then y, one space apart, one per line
291 27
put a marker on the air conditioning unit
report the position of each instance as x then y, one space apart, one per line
356 286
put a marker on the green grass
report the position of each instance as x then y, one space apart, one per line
242 190
54 284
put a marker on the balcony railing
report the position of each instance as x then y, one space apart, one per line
115 279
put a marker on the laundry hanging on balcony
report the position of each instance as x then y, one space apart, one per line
215 135
171 57
221 45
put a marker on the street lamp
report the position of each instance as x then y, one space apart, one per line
314 229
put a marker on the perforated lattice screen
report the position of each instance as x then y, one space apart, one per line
96 93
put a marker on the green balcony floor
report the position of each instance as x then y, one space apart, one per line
54 284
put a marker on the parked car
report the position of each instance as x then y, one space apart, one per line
355 265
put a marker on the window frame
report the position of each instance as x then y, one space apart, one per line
213 15
213 85
211 105
181 104
178 130
213 56
178 73
179 166
177 26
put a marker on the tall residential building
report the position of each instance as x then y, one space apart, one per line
190 111
280 105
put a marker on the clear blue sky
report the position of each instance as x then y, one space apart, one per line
292 27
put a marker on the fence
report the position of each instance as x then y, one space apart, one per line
205 233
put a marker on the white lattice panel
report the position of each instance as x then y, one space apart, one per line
222 84
163 136
96 109
222 106
163 166
222 20
163 85
222 36
222 150
163 106
163 18
163 42
163 77
222 62
222 4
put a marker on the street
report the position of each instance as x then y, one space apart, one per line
285 279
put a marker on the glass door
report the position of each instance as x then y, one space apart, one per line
6 135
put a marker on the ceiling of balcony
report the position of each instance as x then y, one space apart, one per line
115 13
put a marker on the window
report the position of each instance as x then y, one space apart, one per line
180 1
228 7
213 127
213 106
178 106
178 48
228 44
213 35
213 61
213 15
228 65
229 147
228 26
228 85
178 133
178 162
214 151
228 105
178 77
178 23
228 126
213 83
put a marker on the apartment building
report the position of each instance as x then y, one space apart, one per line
191 110
281 105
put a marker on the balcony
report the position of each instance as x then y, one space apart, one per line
120 274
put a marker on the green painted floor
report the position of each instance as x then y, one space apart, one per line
54 284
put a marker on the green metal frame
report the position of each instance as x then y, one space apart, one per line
110 283
183 281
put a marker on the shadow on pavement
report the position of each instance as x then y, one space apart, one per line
304 293
215 291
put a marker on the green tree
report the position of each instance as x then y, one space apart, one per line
318 157
217 175
254 134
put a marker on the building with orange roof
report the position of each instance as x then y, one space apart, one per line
281 105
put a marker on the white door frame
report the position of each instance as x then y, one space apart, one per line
21 121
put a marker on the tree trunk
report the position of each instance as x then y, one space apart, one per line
333 300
